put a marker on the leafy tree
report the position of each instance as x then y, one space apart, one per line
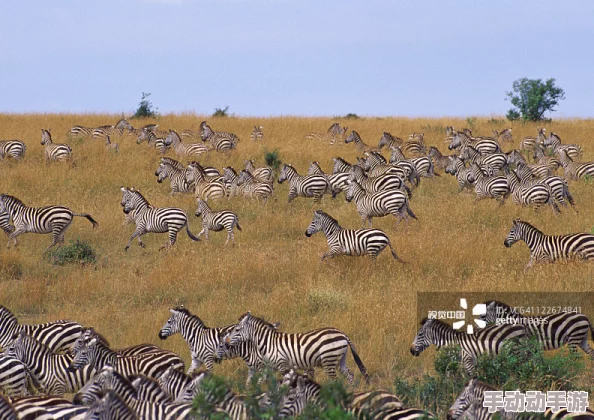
532 98
221 112
145 107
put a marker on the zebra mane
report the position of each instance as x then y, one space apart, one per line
99 337
7 314
172 162
259 320
332 126
518 221
137 192
341 160
497 303
189 314
122 379
230 168
322 213
13 199
24 336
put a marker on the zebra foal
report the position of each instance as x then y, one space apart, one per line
217 221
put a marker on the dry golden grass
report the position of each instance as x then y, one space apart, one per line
274 270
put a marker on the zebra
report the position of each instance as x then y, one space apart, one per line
220 141
58 152
497 161
504 135
7 410
257 133
90 333
484 341
47 408
541 158
552 331
529 142
383 182
173 382
389 140
340 165
15 149
263 174
80 131
338 181
324 347
304 186
489 186
110 407
217 221
205 186
14 377
574 151
183 149
439 160
557 184
253 188
50 370
538 170
375 165
346 241
355 138
379 204
153 219
528 194
470 401
111 146
152 140
103 131
415 145
97 355
484 147
335 132
463 175
575 170
547 248
41 220
423 165
177 178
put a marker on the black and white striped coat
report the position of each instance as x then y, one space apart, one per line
528 194
111 406
304 186
90 333
207 184
379 204
14 377
484 147
252 188
388 139
376 165
5 224
469 403
574 151
557 184
186 150
15 149
423 165
263 174
338 181
7 410
177 178
504 135
152 140
575 170
383 182
495 187
217 221
220 141
497 161
545 248
50 219
48 408
463 174
257 133
346 241
355 138
153 219
57 152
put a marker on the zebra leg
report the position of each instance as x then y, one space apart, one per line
172 239
468 362
137 233
13 236
292 194
204 229
195 365
330 254
585 346
230 236
344 369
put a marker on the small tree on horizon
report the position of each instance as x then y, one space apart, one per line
532 98
145 107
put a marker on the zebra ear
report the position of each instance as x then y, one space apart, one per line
516 221
276 325
92 342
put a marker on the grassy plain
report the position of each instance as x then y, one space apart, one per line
274 270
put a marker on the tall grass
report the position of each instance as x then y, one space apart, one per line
274 270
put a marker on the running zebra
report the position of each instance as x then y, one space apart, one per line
463 175
375 165
379 204
50 370
383 182
338 181
253 188
552 331
355 138
495 187
14 377
263 174
557 184
574 151
575 170
483 341
206 186
152 140
183 149
50 219
528 194
15 149
484 147
80 131
153 219
325 347
217 221
348 242
220 141
504 135
58 336
389 140
439 160
415 145
89 333
423 165
497 161
177 177
545 248
59 152
304 186
257 133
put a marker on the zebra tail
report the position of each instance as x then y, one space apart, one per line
408 190
358 361
89 217
394 255
410 212
237 223
190 234
568 194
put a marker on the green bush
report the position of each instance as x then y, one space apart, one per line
76 252
145 108
218 112
272 159
351 116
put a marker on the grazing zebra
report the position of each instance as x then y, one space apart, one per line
484 147
153 219
504 135
484 341
14 377
574 151
338 181
335 132
50 219
354 137
439 160
575 170
252 188
177 177
489 187
263 174
379 204
470 402
383 182
257 133
183 149
415 145
217 221
325 347
557 184
59 152
545 248
497 161
152 140
389 140
15 149
528 194
463 175
423 165
552 331
50 370
304 186
111 407
220 141
346 241
111 146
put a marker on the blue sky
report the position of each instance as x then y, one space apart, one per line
277 57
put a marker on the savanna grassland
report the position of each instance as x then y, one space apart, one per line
274 270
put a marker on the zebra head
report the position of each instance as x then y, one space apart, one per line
174 323
191 390
316 223
161 173
17 349
46 137
110 406
456 142
423 338
464 400
202 208
243 331
351 137
3 208
243 177
496 310
85 355
104 380
514 234
143 136
205 131
294 400
285 172
452 166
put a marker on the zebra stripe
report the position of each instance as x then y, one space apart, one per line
206 184
5 223
574 151
489 186
526 194
173 382
183 149
384 182
263 174
484 341
575 170
304 186
495 160
149 219
355 138
484 147
252 188
109 407
41 220
558 185
324 347
90 333
7 411
58 152
80 131
50 370
177 178
338 182
334 133
217 221
469 403
439 160
415 145
15 149
423 165
463 174
545 248
541 158
100 133
379 204
375 165
389 140
220 141
47 408
348 242
504 135
257 133
152 140
340 165
14 377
